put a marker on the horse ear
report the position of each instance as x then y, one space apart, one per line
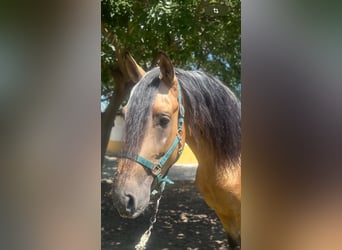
167 73
134 71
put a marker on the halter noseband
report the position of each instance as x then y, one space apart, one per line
156 168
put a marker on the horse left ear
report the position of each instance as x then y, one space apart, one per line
167 73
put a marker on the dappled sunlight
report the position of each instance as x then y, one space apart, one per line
184 221
108 168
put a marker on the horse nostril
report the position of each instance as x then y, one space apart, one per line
130 203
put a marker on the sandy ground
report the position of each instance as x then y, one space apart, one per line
184 220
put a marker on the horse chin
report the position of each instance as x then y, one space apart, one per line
134 215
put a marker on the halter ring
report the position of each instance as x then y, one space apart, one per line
156 170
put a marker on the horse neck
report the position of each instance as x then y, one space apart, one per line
212 169
203 152
207 156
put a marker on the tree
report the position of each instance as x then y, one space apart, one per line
196 34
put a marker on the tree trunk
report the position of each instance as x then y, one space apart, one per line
107 123
122 88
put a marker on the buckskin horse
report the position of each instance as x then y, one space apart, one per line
168 107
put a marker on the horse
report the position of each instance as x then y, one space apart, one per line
167 107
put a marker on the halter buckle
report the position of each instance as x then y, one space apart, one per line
156 170
179 134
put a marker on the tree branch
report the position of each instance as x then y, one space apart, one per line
112 38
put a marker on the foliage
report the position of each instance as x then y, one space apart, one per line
189 31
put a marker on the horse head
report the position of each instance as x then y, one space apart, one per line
153 138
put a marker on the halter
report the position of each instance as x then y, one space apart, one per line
156 168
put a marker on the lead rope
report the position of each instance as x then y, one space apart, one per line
145 237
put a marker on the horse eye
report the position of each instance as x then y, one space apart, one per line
164 121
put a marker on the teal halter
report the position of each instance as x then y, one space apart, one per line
156 168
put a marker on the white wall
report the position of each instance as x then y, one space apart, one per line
118 130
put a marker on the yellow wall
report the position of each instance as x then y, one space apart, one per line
187 156
114 147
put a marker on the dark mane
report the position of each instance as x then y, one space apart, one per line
139 108
212 112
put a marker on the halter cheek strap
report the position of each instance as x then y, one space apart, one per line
156 168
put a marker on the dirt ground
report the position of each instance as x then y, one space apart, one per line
184 220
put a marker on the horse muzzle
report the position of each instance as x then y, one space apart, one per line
128 206
130 199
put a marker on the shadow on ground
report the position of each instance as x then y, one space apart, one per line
184 221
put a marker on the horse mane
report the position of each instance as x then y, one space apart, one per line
211 110
140 106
